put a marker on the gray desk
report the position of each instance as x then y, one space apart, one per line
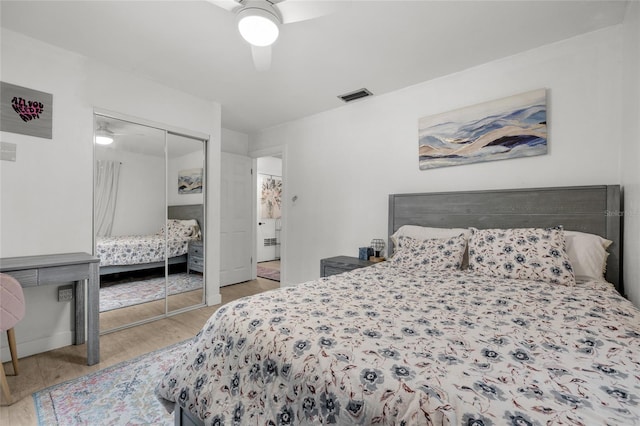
33 271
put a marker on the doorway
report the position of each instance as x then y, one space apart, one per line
269 217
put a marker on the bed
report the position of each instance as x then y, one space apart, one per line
138 252
417 340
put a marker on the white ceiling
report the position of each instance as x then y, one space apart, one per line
194 46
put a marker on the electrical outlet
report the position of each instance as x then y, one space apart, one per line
65 293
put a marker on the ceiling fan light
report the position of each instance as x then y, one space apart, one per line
258 27
104 140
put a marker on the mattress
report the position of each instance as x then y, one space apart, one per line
381 345
139 249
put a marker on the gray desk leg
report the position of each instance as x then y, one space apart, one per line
93 315
79 313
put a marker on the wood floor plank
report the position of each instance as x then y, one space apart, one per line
49 368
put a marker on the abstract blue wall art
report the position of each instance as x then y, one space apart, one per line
511 127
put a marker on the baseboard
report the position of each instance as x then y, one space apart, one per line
214 299
38 346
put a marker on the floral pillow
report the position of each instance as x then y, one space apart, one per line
429 255
182 229
525 253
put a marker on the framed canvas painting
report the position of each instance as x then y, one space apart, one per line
506 128
190 181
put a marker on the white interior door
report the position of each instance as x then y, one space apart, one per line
236 221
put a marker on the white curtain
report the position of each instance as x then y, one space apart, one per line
106 195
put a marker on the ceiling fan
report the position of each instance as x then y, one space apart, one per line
259 21
104 135
106 131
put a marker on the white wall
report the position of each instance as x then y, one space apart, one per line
235 142
342 164
140 205
46 197
630 170
269 166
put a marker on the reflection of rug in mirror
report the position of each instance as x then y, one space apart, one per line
136 292
118 395
270 274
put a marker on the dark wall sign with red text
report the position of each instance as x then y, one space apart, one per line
25 111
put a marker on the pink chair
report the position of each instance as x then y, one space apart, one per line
11 312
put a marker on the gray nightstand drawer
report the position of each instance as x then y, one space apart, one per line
339 264
195 259
196 263
330 270
196 250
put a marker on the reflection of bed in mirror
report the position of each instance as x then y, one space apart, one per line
134 253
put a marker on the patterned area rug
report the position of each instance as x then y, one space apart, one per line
122 394
136 292
270 274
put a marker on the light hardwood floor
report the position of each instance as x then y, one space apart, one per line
111 320
46 369
271 264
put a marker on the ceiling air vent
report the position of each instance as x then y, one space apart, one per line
353 96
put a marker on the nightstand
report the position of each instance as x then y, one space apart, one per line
195 259
340 264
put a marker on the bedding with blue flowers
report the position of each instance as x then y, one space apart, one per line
429 255
141 249
393 346
526 253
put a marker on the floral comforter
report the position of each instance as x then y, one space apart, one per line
384 346
137 249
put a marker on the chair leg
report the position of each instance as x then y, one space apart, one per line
5 385
11 337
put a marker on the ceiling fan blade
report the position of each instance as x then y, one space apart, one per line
303 10
261 57
229 5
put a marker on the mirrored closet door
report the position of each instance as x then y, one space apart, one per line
149 199
185 172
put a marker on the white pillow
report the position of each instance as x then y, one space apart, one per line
587 254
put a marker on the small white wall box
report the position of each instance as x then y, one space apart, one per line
8 151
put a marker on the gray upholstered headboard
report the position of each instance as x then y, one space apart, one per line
592 209
188 211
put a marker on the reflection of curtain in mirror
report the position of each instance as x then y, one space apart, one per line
105 195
